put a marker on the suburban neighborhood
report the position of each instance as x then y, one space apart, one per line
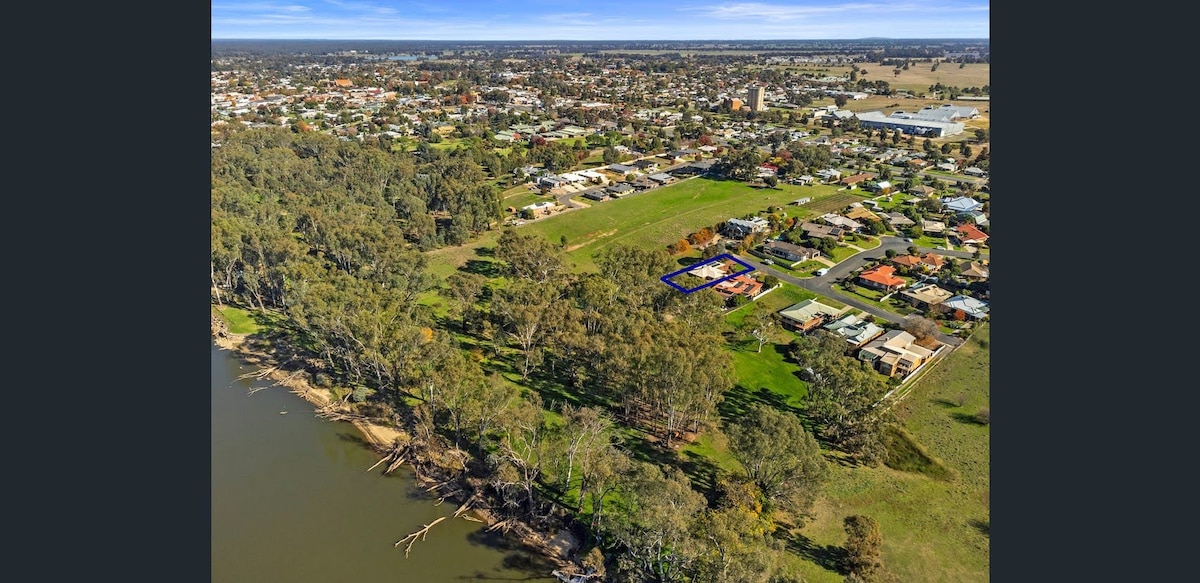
646 310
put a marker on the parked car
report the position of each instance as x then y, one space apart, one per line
768 262
822 271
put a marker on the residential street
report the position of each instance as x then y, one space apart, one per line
823 284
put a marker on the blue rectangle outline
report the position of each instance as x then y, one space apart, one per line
667 278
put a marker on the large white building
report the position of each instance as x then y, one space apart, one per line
909 124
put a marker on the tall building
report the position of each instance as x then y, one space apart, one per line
756 98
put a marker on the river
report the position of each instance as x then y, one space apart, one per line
292 501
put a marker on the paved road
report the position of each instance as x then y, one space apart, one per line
824 284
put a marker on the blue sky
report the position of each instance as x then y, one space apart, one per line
599 19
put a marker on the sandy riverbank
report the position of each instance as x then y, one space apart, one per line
380 437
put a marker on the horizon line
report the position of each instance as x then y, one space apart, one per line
604 40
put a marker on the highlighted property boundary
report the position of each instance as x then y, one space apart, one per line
667 278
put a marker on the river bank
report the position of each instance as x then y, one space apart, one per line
431 468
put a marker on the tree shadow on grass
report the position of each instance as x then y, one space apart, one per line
699 470
968 418
738 400
488 269
944 403
983 526
485 251
829 557
555 389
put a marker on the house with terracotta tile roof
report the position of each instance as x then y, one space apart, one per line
909 261
740 285
881 278
970 234
932 262
852 182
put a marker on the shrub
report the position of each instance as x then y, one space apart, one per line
984 416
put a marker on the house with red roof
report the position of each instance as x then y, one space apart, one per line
881 278
909 261
852 182
970 234
740 285
932 262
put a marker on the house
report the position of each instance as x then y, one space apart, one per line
852 182
933 227
909 261
932 262
622 169
895 354
963 307
922 191
822 231
853 330
807 315
973 171
595 195
740 285
898 221
829 175
551 182
961 205
881 186
646 165
593 176
947 167
739 229
765 170
790 252
881 277
710 271
662 178
861 213
620 189
535 207
926 296
975 271
970 234
841 222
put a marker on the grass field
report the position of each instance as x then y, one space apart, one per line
662 216
933 530
240 321
916 80
835 202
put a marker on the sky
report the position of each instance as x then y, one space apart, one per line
599 19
